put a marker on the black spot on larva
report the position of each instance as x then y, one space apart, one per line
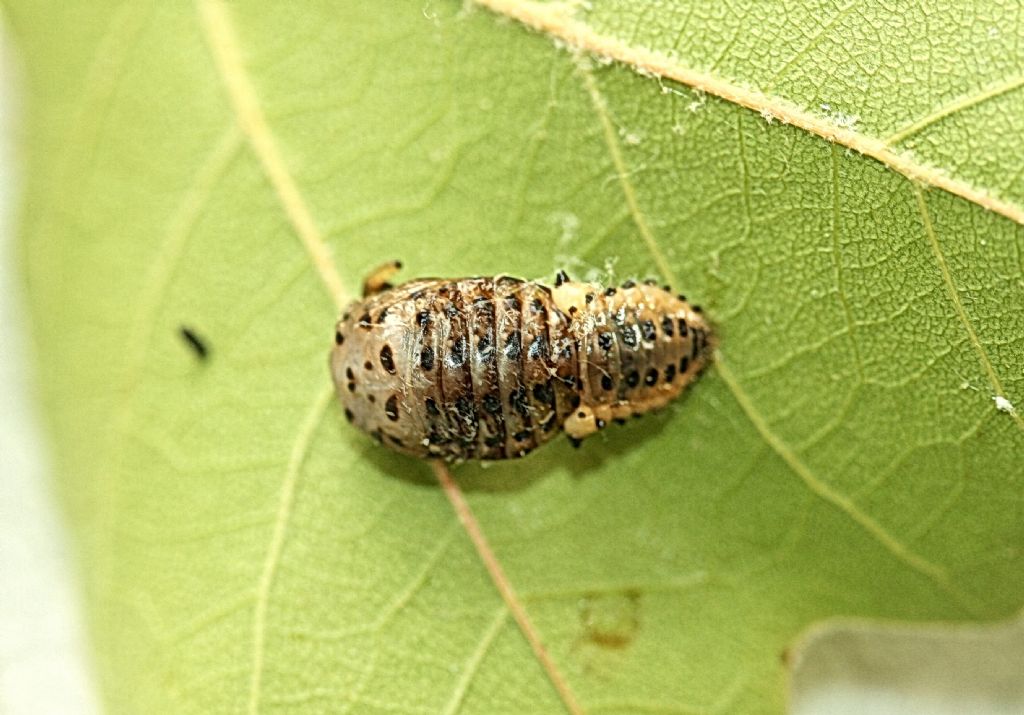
521 436
575 401
605 340
543 393
697 335
348 414
484 348
581 415
619 421
365 322
610 292
569 381
629 336
666 326
457 356
199 346
648 330
387 359
431 406
451 311
338 338
351 387
681 297
575 442
606 382
513 345
382 315
493 441
395 440
560 278
650 282
518 399
633 378
651 377
696 309
492 402
589 297
372 398
600 423
549 424
682 327
349 374
391 408
567 352
536 306
629 284
368 365
427 358
684 363
422 318
464 406
513 304
670 373
538 348
573 310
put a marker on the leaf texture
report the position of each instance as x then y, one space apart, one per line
237 170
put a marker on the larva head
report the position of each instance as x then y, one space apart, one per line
640 345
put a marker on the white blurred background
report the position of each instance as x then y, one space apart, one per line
44 663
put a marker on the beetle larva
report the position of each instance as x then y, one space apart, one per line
492 367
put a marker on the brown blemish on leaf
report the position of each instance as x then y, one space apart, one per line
610 620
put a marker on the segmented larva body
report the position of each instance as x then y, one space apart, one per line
490 368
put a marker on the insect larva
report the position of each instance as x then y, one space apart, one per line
492 367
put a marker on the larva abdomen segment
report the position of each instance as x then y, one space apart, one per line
490 368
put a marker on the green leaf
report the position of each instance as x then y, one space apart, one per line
208 167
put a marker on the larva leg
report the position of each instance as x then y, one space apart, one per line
585 421
377 281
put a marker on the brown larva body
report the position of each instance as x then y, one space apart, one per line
490 368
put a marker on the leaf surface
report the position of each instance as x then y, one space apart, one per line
225 168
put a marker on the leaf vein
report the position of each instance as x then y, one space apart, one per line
958 306
932 571
959 104
504 586
300 449
228 59
622 172
475 659
556 20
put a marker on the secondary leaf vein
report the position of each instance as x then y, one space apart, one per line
958 306
300 449
474 661
622 172
932 571
957 105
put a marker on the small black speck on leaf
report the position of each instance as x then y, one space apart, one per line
198 345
